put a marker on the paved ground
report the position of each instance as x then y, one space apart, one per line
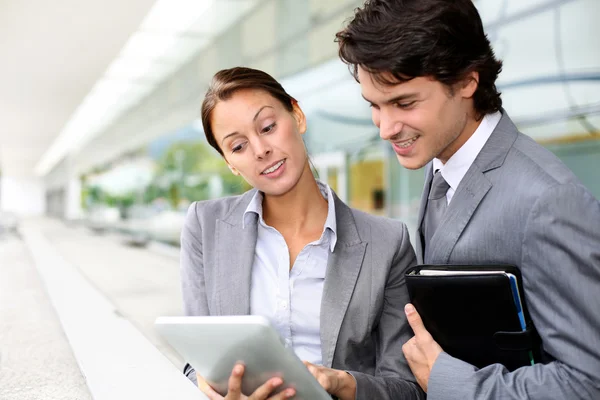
142 284
36 361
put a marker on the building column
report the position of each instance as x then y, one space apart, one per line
72 209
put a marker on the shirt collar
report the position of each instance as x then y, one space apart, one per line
255 206
460 162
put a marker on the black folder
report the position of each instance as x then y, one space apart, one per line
476 313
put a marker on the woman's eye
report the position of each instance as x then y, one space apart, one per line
237 148
268 128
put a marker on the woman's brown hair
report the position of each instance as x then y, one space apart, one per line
227 81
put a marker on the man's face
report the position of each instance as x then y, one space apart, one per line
420 118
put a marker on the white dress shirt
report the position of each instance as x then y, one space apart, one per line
457 166
291 299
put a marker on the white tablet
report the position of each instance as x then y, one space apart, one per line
212 345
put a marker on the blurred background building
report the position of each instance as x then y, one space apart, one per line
101 103
99 120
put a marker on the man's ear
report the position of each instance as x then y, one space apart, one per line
469 85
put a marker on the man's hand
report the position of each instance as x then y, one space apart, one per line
421 350
336 382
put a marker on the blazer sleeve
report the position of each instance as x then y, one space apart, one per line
561 275
192 272
392 332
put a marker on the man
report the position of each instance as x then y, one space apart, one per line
492 195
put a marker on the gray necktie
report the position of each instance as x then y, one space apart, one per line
436 206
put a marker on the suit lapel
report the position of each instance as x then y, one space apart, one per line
418 239
470 192
343 268
235 255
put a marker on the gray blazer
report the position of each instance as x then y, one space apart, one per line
363 325
518 204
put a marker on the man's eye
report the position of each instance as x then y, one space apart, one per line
268 128
405 105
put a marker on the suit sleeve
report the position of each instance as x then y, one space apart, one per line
393 378
192 272
561 276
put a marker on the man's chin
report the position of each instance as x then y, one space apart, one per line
411 163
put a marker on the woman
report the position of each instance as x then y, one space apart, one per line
330 278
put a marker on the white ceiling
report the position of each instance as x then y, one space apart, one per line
52 53
170 36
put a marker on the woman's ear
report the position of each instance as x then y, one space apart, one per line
233 170
299 117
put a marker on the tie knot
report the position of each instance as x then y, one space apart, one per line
439 186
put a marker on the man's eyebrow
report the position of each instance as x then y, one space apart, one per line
402 97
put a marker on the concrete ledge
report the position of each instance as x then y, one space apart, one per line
36 361
116 359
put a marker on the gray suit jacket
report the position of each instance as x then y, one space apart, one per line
518 204
363 325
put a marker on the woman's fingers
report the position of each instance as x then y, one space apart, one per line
286 394
206 389
265 390
234 388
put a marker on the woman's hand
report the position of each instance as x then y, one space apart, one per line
336 382
234 389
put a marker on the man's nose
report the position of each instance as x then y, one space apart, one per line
388 127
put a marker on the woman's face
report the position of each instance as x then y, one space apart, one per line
261 140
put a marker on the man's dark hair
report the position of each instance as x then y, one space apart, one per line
443 39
